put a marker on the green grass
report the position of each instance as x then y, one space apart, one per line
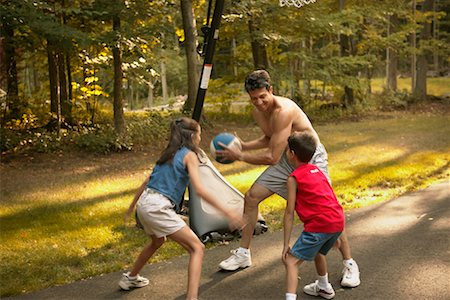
61 218
438 86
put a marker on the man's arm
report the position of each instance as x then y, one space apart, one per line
281 126
259 143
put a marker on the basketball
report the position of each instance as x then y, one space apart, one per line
227 139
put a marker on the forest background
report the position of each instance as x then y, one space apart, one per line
85 85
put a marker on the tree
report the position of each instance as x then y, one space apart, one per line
119 119
190 35
420 89
12 91
391 54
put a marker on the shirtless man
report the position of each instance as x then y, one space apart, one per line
277 117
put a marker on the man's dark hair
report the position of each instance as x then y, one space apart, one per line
256 80
303 144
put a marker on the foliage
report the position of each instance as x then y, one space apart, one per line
148 128
22 135
225 94
101 139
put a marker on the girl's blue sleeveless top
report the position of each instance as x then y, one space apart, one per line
171 178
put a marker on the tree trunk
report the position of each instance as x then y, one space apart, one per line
119 119
420 90
64 100
190 33
150 93
15 106
391 57
345 49
233 49
69 81
53 81
258 49
165 93
64 77
413 45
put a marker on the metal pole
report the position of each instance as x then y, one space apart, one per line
213 35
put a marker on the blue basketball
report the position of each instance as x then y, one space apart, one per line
227 139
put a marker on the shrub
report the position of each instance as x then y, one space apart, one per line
102 139
149 127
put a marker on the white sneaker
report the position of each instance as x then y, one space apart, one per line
313 289
236 261
350 275
126 282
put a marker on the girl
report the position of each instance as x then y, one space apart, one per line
161 194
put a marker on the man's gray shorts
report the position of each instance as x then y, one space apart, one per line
275 177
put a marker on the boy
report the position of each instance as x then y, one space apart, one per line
311 196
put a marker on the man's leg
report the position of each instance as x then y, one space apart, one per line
253 197
241 257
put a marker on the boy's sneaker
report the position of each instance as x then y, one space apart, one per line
350 275
126 282
238 260
313 289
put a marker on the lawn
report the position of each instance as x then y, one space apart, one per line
61 215
435 86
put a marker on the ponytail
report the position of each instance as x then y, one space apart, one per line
181 132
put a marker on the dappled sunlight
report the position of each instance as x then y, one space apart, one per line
65 194
244 180
345 165
368 154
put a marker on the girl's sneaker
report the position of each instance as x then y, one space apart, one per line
313 289
127 282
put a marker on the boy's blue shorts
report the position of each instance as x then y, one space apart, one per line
309 244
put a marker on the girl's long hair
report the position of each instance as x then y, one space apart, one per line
181 132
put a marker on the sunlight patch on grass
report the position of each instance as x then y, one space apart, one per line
385 182
244 180
438 86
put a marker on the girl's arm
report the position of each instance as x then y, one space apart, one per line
191 161
135 199
289 214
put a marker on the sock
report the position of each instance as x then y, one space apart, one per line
132 277
290 296
323 281
244 251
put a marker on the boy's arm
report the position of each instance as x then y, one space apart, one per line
288 220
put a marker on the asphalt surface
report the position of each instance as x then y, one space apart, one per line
402 248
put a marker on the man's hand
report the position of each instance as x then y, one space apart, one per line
229 153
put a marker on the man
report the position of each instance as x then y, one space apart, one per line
277 117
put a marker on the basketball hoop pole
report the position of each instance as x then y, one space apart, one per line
212 36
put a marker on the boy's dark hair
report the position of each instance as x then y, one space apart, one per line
303 144
181 133
256 80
